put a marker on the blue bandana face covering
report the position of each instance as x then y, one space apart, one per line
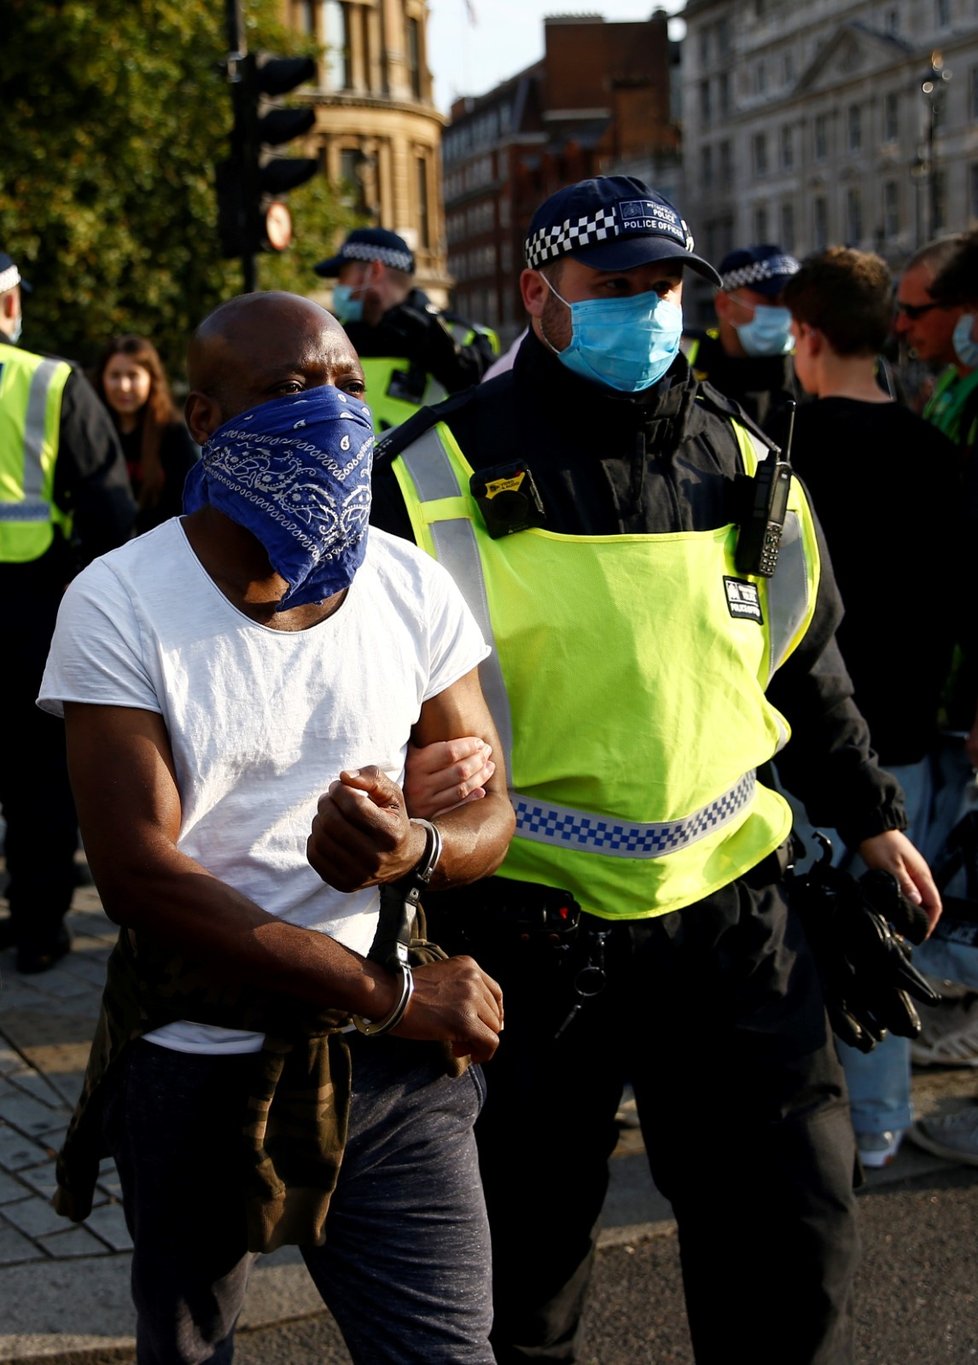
768 332
295 472
625 344
965 349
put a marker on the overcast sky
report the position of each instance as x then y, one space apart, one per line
475 44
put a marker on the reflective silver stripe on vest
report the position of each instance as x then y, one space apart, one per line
568 828
34 507
456 548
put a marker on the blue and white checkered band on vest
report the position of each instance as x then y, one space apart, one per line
548 824
628 218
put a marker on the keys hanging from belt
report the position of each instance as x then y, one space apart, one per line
591 979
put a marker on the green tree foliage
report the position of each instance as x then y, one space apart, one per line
115 113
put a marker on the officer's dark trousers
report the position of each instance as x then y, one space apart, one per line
41 825
715 1016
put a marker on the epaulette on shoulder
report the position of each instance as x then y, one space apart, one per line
715 401
400 437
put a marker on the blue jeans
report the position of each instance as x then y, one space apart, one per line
405 1269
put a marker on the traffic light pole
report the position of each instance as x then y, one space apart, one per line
240 76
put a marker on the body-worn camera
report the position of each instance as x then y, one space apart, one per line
508 499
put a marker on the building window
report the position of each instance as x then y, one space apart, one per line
854 216
336 36
759 153
821 139
891 209
706 103
306 19
414 56
973 189
854 124
940 202
760 223
820 222
942 13
723 94
760 78
726 165
789 67
787 147
891 117
424 224
351 193
788 226
706 168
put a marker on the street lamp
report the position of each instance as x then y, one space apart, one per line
933 87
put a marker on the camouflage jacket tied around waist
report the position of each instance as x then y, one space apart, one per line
298 1108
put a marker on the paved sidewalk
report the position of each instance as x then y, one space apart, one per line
64 1288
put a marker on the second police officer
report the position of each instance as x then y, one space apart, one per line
410 352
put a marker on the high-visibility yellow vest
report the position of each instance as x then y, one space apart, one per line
31 390
627 682
388 394
464 333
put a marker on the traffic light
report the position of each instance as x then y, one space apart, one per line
249 180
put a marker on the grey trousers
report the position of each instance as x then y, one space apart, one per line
405 1268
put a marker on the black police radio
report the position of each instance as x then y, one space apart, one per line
759 540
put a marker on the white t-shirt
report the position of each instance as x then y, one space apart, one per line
261 721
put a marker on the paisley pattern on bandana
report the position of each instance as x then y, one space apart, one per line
295 472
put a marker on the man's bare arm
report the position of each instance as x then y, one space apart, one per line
362 834
129 812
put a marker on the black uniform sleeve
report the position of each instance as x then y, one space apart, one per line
91 481
455 367
829 763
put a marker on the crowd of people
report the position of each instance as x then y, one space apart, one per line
524 717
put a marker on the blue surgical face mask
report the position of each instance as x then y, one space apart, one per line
626 344
767 333
345 306
16 330
965 349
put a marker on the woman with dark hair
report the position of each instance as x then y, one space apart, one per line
158 447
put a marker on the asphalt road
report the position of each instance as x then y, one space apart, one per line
917 1298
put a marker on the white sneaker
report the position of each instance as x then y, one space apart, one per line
950 1034
879 1149
954 1136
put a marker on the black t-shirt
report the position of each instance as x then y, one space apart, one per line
886 487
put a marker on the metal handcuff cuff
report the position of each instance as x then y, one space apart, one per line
398 906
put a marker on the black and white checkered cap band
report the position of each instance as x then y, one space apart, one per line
8 278
360 251
547 244
774 268
638 218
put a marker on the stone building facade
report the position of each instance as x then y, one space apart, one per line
598 101
835 121
377 130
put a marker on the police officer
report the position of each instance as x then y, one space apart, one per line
410 356
64 498
747 355
591 503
